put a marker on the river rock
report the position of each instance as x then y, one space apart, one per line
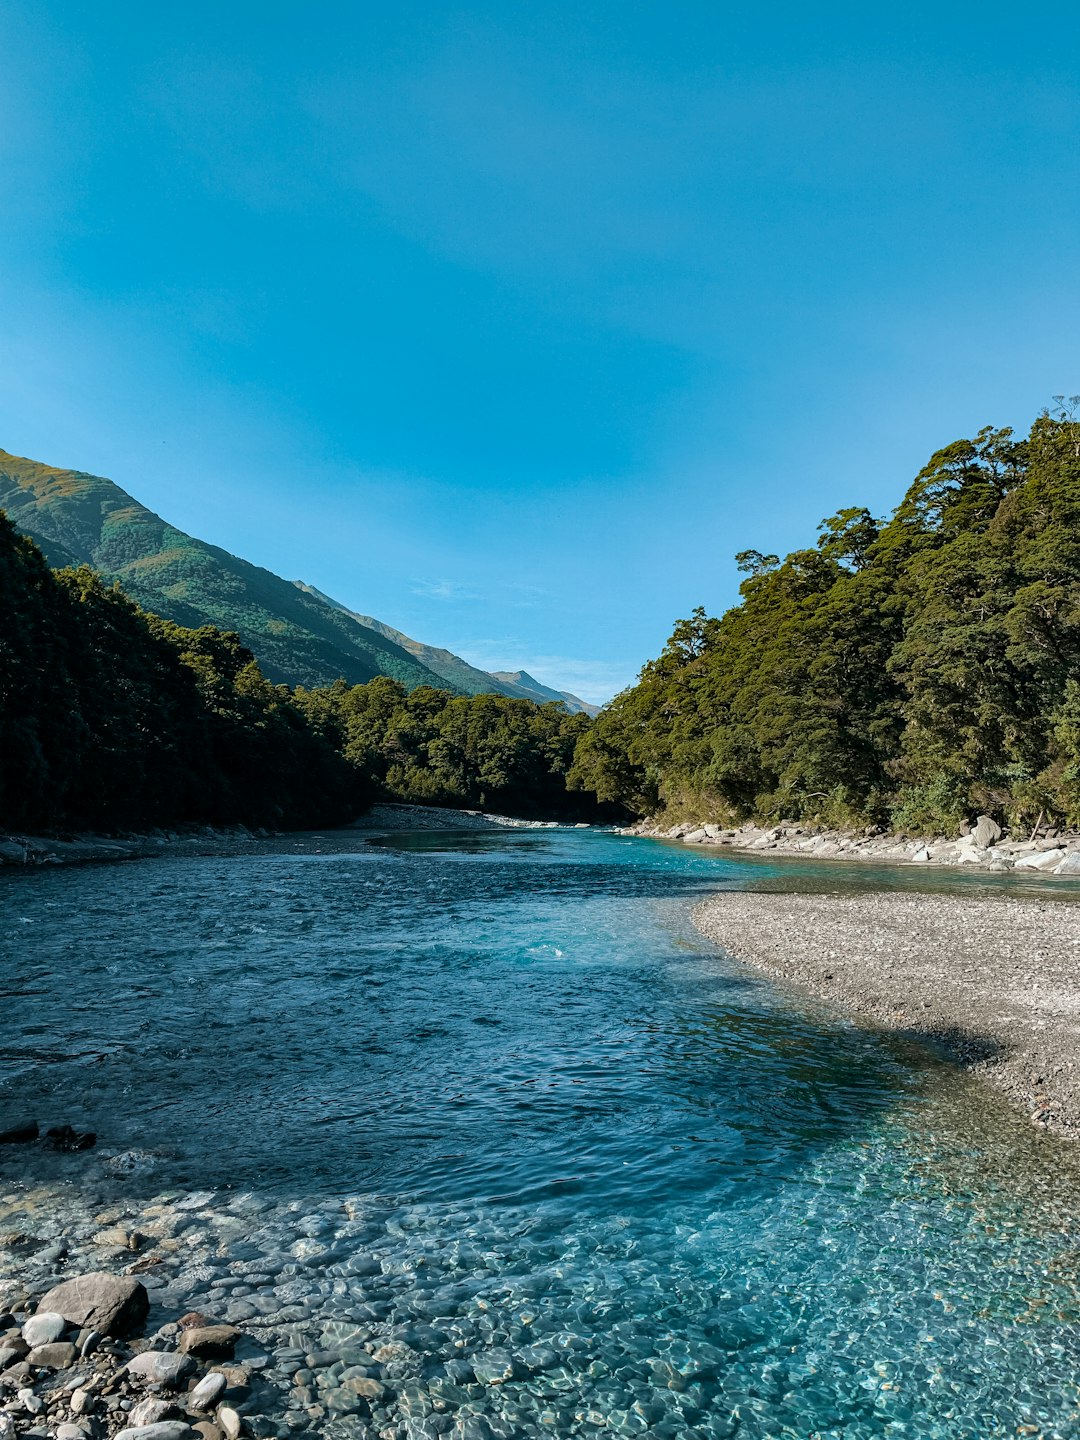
111 1304
164 1430
1044 860
230 1422
20 1134
210 1341
43 1328
57 1356
1070 865
152 1410
986 832
68 1431
161 1367
208 1391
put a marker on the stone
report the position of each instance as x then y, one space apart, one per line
208 1391
230 1422
111 1304
57 1356
1070 865
161 1367
82 1402
152 1410
64 1137
21 1134
210 1341
207 1430
1041 860
43 1328
163 1430
68 1431
986 831
494 1367
694 837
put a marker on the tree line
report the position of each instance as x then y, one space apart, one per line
112 718
904 672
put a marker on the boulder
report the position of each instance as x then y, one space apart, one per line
1070 865
20 1134
161 1367
1041 860
111 1304
986 832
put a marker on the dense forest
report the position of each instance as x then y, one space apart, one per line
904 672
112 718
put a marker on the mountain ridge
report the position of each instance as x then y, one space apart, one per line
79 518
299 634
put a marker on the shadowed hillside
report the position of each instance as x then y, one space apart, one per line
299 640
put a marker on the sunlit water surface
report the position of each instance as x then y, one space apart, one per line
485 1118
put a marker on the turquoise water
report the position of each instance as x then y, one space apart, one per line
492 1100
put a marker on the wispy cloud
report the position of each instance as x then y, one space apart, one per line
443 590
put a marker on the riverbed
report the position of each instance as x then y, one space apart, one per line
485 1118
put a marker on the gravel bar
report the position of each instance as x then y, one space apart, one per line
994 982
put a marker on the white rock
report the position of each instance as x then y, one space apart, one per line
1045 860
1070 865
207 1391
229 1421
43 1328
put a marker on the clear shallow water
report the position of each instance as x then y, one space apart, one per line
491 1100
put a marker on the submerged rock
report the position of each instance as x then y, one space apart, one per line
111 1304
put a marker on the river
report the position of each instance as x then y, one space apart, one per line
484 1116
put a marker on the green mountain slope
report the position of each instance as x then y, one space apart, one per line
459 673
523 685
297 638
518 685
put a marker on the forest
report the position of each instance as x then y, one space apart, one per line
903 673
112 719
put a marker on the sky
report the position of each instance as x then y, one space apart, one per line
510 325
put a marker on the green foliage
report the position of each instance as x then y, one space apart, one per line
428 747
113 718
902 672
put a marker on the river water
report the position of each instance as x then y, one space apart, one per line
482 1118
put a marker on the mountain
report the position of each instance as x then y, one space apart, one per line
525 687
465 677
452 669
298 638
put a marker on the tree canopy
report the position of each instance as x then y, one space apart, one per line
904 672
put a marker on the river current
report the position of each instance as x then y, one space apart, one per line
483 1119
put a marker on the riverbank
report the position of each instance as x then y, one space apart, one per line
993 981
22 850
1048 852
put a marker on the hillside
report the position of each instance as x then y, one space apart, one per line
298 639
524 686
453 670
458 672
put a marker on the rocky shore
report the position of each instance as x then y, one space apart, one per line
983 845
993 981
69 1368
206 840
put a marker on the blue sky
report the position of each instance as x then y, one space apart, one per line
510 325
